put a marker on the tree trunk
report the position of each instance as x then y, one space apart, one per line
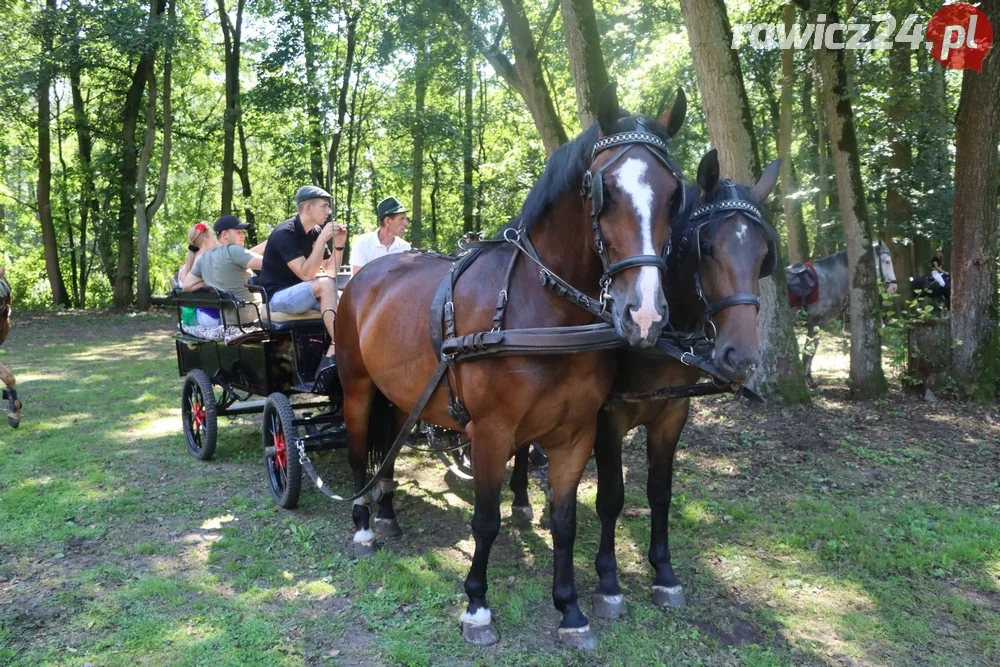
232 39
434 196
866 377
50 243
974 228
244 174
88 198
727 111
338 132
313 94
468 165
586 62
897 204
524 75
144 213
129 171
417 225
67 209
798 240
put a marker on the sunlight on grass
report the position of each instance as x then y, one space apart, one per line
215 523
157 424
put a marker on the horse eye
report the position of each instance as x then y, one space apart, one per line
706 248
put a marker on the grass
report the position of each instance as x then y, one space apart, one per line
853 533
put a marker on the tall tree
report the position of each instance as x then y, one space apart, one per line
974 227
727 112
866 377
422 71
232 37
897 204
143 213
50 243
468 165
89 204
586 62
338 132
798 241
314 94
125 272
523 75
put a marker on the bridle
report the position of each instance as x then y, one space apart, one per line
592 189
706 214
880 251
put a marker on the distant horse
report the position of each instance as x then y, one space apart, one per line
13 404
722 247
605 200
831 304
927 287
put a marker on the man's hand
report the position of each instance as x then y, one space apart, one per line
339 234
325 234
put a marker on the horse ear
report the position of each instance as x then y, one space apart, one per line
765 186
3 270
708 173
674 118
607 109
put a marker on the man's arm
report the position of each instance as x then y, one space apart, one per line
192 282
306 268
259 248
256 262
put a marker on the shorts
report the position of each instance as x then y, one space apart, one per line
295 300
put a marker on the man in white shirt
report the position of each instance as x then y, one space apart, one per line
386 240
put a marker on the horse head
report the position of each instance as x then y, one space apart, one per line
724 248
883 266
630 192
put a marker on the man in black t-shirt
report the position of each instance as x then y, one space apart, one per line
298 271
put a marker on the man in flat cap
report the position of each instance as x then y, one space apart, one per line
298 271
385 240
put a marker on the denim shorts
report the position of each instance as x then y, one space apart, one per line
296 299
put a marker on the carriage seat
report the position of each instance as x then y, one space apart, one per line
287 321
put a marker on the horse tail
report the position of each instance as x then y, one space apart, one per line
381 433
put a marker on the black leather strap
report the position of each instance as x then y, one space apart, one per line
636 260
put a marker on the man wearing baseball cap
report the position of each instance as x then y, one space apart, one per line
298 271
385 240
228 266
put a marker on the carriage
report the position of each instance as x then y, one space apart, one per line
263 365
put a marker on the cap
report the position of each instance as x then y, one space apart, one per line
307 192
228 222
389 206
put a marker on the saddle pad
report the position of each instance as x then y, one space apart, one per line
803 284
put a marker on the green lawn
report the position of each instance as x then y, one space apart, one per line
838 534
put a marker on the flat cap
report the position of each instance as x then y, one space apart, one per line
307 192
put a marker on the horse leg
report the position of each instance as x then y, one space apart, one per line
661 444
809 351
566 466
608 599
385 520
521 507
13 404
490 449
359 394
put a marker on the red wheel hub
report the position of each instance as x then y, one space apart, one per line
197 415
280 451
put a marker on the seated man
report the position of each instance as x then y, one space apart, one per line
228 265
386 240
298 271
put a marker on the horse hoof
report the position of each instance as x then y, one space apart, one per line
581 639
14 422
388 527
365 549
672 596
480 635
522 512
609 606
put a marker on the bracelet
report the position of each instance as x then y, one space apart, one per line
339 247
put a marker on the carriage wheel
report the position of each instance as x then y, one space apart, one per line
199 414
284 472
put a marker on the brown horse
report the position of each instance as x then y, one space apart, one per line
722 247
13 405
384 347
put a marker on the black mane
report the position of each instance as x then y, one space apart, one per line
565 168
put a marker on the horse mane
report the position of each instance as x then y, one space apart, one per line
565 168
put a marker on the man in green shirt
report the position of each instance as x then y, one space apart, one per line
228 266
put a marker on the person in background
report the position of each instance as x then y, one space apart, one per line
938 273
200 240
386 240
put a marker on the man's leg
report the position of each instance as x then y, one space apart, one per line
324 289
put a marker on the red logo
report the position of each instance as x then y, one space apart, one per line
960 36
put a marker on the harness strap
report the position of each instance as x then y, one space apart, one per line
393 452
